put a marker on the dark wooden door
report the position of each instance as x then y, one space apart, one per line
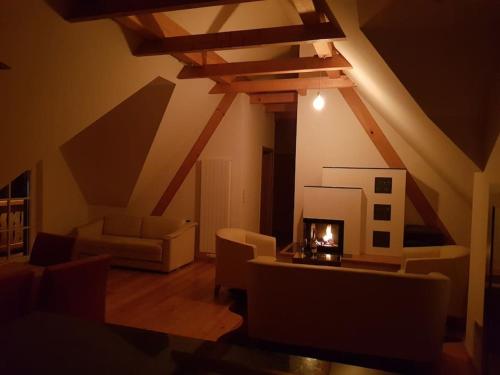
266 191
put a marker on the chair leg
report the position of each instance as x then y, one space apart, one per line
216 290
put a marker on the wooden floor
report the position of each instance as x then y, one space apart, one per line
182 303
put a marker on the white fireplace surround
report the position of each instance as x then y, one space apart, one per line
351 195
332 203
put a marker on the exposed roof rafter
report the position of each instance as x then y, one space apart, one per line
310 16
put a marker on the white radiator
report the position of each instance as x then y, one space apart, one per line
215 199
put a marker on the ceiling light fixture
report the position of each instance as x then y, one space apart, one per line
319 101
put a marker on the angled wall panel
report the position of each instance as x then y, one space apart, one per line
107 157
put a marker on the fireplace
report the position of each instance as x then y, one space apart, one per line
324 235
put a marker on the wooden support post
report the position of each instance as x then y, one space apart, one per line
193 154
393 160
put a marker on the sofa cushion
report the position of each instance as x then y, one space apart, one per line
158 227
122 225
144 249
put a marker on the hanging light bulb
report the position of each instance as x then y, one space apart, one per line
319 103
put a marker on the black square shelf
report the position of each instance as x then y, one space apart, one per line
383 185
381 239
382 212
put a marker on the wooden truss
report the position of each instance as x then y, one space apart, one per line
161 35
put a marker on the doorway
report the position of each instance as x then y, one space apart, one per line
266 191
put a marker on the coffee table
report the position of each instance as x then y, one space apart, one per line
318 259
364 261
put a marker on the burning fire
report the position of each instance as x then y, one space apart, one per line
328 235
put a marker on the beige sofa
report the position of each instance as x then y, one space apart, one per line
152 243
386 314
234 247
451 261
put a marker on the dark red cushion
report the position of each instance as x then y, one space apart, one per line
50 249
76 288
15 294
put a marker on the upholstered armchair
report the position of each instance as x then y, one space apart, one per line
234 247
451 261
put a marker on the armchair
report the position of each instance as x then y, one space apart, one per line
451 261
76 288
234 247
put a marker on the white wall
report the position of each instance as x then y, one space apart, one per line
478 247
486 194
334 137
65 76
240 137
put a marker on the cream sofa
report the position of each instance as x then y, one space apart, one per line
152 243
452 261
385 314
233 248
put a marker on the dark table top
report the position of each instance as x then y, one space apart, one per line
42 343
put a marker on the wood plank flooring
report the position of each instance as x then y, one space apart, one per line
179 303
182 303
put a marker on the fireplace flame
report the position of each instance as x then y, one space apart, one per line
329 235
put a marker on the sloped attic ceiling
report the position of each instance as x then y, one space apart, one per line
446 53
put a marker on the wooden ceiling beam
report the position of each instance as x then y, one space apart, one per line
281 107
158 25
279 66
85 10
274 85
239 39
322 7
307 7
272 98
310 16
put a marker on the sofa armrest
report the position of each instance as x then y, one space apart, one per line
420 265
180 231
421 252
265 245
94 228
179 246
